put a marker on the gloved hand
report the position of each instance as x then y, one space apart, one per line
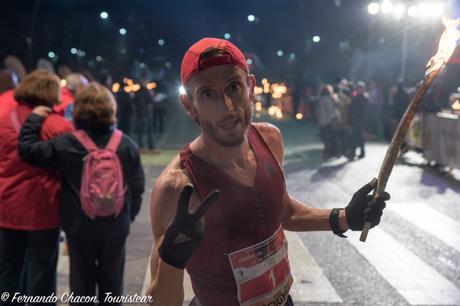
364 208
184 235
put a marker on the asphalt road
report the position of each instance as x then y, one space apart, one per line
411 258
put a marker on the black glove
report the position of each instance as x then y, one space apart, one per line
184 235
364 208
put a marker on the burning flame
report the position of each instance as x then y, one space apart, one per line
447 45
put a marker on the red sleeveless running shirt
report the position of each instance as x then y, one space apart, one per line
241 217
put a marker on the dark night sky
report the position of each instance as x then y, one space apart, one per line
288 25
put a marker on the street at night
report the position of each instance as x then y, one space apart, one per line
230 153
411 259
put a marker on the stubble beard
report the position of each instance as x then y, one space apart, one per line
233 140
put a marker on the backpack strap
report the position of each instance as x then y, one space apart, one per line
85 141
114 141
15 120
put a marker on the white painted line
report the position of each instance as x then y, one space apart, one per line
414 279
310 283
430 220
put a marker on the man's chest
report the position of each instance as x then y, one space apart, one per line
245 176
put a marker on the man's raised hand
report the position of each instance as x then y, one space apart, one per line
184 234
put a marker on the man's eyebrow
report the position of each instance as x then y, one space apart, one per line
201 87
235 78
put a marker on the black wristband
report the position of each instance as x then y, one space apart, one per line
334 222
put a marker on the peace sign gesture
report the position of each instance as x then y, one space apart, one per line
184 235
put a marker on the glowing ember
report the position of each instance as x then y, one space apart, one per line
456 106
278 90
151 85
447 45
258 106
279 113
258 90
115 87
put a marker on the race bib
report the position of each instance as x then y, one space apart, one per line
262 272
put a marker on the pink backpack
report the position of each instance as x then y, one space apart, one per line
102 189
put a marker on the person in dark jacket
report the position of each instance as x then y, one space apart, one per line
96 247
124 110
144 123
357 115
400 103
29 218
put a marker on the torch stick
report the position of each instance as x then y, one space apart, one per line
446 48
398 139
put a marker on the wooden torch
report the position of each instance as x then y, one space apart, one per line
447 45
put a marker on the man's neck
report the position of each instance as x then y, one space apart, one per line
209 150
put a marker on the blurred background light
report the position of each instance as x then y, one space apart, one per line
104 15
387 7
373 8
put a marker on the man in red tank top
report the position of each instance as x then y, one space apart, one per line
220 208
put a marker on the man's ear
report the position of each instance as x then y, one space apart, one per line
252 84
187 104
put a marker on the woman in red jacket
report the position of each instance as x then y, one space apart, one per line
29 225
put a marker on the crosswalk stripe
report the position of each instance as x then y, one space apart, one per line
430 220
310 283
415 280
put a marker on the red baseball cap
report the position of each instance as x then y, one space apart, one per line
191 63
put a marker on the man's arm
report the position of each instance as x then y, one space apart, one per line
298 216
173 199
166 287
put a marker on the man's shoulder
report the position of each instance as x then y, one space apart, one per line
272 137
269 132
165 194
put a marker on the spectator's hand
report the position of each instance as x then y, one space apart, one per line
42 111
184 235
364 208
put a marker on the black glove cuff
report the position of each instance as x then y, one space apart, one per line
334 222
